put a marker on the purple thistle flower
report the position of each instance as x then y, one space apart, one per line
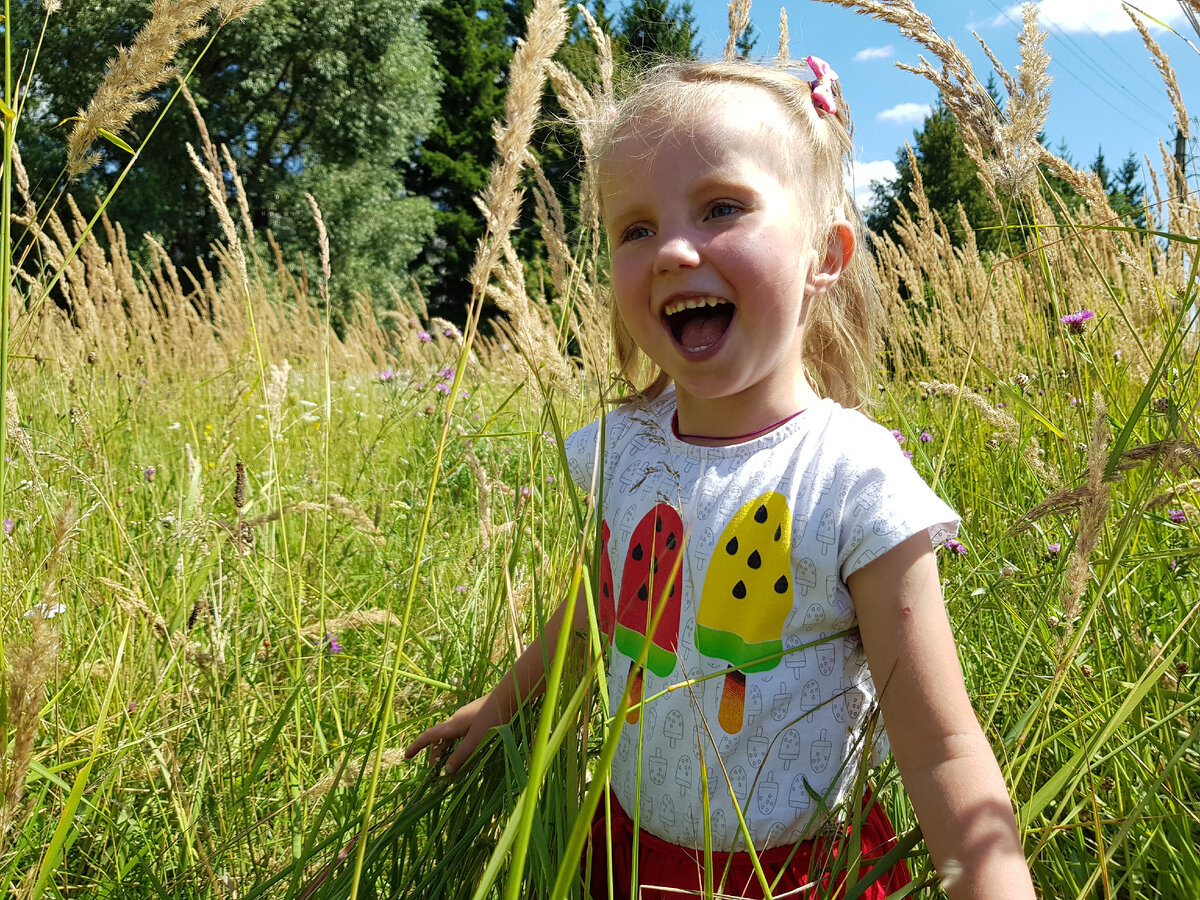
955 546
1074 321
1178 516
452 332
462 588
898 435
1001 405
331 644
926 437
1052 550
908 454
149 474
444 388
1074 401
425 336
446 373
526 491
9 525
386 375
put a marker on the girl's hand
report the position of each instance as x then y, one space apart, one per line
469 725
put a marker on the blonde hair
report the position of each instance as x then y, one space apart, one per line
841 336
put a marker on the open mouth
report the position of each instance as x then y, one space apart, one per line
698 322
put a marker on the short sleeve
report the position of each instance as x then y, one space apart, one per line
886 504
582 451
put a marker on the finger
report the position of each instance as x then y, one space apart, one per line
425 739
460 755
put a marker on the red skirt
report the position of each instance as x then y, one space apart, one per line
668 871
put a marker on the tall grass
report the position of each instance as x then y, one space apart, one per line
248 559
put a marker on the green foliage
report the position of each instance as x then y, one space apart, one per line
328 97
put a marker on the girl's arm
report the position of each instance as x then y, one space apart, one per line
524 680
948 767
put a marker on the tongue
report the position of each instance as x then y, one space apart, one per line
704 330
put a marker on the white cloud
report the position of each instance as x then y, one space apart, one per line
903 113
1100 16
868 53
864 174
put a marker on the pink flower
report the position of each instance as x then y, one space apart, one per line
1074 321
425 336
955 546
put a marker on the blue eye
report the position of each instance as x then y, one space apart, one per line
635 232
721 210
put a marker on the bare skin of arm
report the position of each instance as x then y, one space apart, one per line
526 679
949 771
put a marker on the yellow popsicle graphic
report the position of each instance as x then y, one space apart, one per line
746 598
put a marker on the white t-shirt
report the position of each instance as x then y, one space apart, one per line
761 537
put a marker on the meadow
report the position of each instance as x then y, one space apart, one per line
246 557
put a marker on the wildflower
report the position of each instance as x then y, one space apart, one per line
1052 550
926 437
386 375
908 454
1074 321
444 388
1178 516
1161 404
549 479
466 395
1074 401
430 410
462 588
526 491
898 435
331 644
955 546
149 474
9 525
451 332
1001 405
1041 392
425 336
1008 570
447 373
1021 378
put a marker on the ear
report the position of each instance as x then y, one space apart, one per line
838 251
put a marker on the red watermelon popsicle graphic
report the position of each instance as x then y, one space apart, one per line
747 597
649 581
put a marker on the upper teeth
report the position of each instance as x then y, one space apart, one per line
691 303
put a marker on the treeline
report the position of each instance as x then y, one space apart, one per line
383 111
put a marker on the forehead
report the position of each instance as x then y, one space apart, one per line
716 121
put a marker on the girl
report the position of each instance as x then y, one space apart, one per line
765 545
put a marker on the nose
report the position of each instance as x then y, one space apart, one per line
676 250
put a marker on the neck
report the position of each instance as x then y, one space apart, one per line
733 420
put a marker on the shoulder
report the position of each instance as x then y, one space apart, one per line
630 425
850 442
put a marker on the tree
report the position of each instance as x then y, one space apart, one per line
950 177
322 96
1126 193
472 44
649 31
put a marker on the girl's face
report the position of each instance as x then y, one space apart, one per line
712 260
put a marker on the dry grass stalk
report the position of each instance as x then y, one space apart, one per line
322 246
1163 63
1171 495
351 622
739 20
215 185
135 607
1015 169
337 504
387 760
29 667
782 59
132 75
1093 510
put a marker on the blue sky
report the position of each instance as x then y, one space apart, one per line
1106 90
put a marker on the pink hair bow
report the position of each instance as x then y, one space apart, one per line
822 86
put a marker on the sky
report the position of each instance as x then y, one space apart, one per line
1106 92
